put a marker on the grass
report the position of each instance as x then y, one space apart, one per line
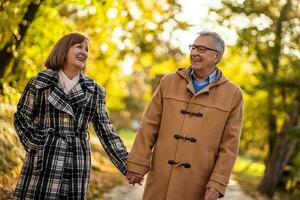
248 167
249 173
128 137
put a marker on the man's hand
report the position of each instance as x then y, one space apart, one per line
134 178
211 194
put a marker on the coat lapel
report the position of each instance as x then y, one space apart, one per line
77 97
59 100
80 93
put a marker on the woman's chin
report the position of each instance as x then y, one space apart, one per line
80 66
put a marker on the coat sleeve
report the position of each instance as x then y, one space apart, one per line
139 158
28 134
229 145
110 140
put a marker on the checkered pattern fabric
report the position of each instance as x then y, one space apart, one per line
52 127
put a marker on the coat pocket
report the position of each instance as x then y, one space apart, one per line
40 152
38 159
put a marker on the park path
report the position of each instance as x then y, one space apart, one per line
128 192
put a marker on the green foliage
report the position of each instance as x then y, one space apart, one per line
123 34
248 167
240 70
118 31
10 95
269 36
128 137
268 56
248 173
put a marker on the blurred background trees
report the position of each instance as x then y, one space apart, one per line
268 33
131 48
126 37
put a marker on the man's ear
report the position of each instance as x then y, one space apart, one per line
218 57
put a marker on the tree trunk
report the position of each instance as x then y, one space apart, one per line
6 54
271 120
282 151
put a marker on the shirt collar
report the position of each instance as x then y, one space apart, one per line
66 83
66 79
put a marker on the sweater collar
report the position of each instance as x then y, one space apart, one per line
208 79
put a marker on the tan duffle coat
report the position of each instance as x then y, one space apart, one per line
188 141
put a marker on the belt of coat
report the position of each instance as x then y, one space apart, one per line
66 137
40 151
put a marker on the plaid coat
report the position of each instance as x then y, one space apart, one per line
52 127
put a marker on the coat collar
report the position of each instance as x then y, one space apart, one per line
48 77
186 74
75 99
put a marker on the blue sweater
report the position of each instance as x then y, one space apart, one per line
200 84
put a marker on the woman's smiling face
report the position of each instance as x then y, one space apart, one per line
77 55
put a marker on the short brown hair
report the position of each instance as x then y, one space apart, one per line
58 55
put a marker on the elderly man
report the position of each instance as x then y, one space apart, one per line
189 135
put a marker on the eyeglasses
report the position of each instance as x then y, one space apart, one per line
200 48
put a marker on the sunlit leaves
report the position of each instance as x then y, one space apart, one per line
270 51
121 33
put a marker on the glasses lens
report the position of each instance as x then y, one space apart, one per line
201 49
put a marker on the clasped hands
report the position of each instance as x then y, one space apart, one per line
134 178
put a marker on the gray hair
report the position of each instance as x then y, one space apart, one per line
220 44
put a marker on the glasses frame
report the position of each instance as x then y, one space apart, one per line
197 47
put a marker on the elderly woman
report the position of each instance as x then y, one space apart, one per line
52 120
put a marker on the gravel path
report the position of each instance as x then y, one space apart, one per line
128 192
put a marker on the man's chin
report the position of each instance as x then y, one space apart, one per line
195 67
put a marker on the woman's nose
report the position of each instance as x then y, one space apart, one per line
85 52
